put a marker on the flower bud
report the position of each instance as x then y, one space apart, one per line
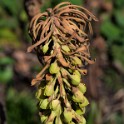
58 120
68 115
84 103
54 68
43 118
49 90
65 48
38 93
75 99
80 111
76 61
75 79
83 120
54 104
76 72
44 104
82 87
45 48
78 95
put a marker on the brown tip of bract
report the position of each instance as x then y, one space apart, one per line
33 82
96 19
29 49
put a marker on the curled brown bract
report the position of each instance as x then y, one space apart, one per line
65 24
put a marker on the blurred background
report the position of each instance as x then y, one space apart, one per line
105 79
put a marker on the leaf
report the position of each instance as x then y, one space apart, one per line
6 75
21 107
119 3
7 37
76 2
12 23
12 6
117 52
119 16
110 31
6 61
8 34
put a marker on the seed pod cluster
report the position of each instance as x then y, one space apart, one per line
61 40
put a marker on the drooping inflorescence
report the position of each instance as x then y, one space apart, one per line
61 40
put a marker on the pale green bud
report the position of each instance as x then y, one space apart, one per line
43 118
78 95
80 111
84 103
75 79
45 48
68 115
44 103
58 120
76 61
54 68
49 89
82 87
54 104
76 72
65 48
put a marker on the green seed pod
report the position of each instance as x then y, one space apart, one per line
44 104
75 99
75 79
49 90
45 48
65 48
43 118
76 72
58 120
80 111
78 95
82 87
54 104
84 103
38 93
76 61
68 115
83 120
58 110
54 68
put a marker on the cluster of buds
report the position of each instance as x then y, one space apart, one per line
61 41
